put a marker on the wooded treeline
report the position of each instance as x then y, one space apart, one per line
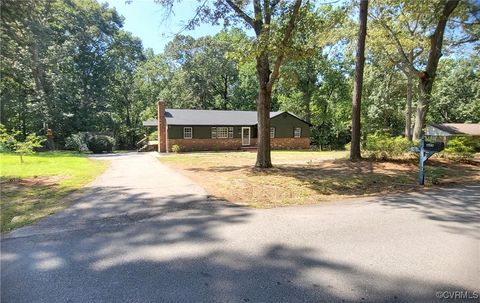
69 66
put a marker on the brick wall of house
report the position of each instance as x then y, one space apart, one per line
235 144
205 144
290 143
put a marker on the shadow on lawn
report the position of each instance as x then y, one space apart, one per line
26 200
336 177
119 245
342 177
457 208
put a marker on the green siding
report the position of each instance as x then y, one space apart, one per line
203 132
285 125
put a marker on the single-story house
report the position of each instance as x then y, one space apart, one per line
204 130
446 131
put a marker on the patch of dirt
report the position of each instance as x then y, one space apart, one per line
14 184
313 182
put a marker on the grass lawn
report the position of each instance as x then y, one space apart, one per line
35 189
307 177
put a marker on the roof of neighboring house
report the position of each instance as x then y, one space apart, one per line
210 117
471 129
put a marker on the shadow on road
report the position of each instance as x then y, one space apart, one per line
131 247
457 209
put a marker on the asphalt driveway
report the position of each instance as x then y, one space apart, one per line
143 233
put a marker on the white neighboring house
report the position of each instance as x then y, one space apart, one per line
446 131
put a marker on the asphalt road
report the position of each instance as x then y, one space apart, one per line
143 233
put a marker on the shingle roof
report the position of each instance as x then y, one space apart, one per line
471 129
208 117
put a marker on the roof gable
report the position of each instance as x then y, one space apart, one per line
470 129
290 114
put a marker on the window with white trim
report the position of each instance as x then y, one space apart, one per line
222 132
272 132
297 133
187 133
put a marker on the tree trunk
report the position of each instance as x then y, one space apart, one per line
307 96
427 77
37 70
422 108
23 116
264 100
358 83
225 92
408 106
266 78
128 122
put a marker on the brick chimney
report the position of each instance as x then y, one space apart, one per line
161 127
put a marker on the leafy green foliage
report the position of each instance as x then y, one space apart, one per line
318 90
77 142
69 66
383 146
456 97
9 142
203 73
383 99
153 136
100 143
461 148
435 174
399 33
176 148
28 145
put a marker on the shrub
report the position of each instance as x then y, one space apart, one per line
153 136
77 142
384 146
100 143
435 174
176 148
9 142
460 148
28 145
473 143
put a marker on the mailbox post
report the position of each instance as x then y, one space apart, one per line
427 149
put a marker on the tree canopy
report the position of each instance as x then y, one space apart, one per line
69 66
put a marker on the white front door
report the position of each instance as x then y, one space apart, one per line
245 135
